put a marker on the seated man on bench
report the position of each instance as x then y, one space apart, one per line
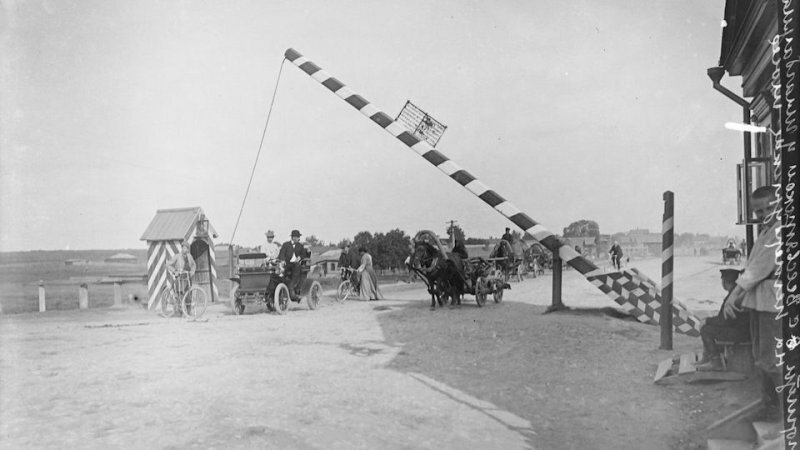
719 328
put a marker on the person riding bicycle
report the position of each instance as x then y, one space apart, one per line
182 262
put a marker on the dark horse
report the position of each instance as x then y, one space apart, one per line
436 271
504 257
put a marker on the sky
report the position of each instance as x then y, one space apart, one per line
569 109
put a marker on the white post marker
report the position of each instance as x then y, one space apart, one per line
42 305
83 296
117 295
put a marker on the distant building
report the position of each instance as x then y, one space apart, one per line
76 262
122 258
328 260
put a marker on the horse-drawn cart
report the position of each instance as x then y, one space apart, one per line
259 280
449 275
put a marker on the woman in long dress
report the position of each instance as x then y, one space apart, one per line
369 280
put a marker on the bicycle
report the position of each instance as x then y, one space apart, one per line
192 302
350 285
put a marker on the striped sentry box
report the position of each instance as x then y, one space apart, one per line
158 254
632 297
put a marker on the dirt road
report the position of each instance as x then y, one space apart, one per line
388 374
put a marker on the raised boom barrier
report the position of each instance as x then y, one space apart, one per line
633 292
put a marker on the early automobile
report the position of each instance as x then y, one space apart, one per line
259 280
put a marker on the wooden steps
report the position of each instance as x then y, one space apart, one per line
682 370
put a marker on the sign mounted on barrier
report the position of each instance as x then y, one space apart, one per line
420 124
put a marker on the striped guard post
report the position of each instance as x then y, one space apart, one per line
667 240
635 299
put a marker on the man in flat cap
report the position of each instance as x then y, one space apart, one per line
271 248
719 328
291 253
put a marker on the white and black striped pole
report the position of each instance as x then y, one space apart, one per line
443 163
636 297
667 246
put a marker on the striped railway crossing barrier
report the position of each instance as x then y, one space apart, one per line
634 292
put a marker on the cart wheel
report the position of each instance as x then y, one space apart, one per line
344 290
498 294
281 299
480 292
167 302
314 294
194 303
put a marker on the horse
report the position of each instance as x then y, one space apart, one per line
435 270
504 256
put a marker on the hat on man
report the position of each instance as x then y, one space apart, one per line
295 233
270 233
730 274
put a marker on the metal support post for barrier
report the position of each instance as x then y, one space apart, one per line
557 303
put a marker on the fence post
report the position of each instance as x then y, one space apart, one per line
83 296
117 295
42 306
667 241
557 304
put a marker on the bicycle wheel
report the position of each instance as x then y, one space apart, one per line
194 302
344 290
167 302
281 299
314 294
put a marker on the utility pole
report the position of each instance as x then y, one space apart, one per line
452 233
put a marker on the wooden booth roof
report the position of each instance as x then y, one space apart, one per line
174 224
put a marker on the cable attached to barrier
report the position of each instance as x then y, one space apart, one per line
260 146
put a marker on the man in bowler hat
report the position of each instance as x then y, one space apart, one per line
291 253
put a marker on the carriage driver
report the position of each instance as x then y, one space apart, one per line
291 253
271 248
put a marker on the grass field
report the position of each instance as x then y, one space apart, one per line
21 272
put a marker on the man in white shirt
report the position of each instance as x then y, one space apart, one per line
271 248
755 290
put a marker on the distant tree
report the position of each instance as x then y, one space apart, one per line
344 242
313 241
475 241
363 239
455 229
388 250
582 228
